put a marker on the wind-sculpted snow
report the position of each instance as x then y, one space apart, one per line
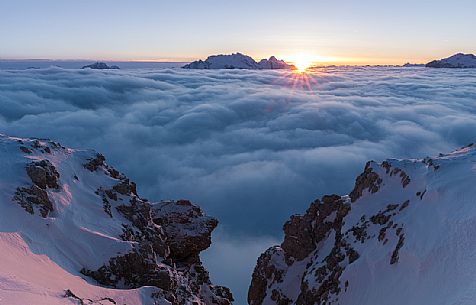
251 147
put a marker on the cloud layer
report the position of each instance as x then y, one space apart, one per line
250 147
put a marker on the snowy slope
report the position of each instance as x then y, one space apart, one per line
238 61
404 235
459 60
73 229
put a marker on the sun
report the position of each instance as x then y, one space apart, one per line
302 62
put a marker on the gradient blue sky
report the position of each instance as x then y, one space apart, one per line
342 31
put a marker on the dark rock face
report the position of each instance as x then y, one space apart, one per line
395 171
179 219
301 232
264 271
100 66
134 270
43 174
318 247
31 197
394 258
95 163
125 187
368 180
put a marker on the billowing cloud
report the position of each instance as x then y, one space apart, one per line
250 147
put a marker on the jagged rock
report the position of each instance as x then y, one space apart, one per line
31 197
264 273
95 163
301 234
43 174
186 226
133 270
126 187
368 180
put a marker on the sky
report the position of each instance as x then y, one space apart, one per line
340 32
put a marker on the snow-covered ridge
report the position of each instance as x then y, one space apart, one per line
74 230
404 235
459 60
238 61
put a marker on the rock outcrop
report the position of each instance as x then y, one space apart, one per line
88 219
458 61
238 61
400 237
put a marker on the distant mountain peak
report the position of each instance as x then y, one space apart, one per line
100 66
459 60
238 61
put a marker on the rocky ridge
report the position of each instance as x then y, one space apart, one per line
384 243
88 219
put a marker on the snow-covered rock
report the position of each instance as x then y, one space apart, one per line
238 61
100 66
73 230
404 235
459 60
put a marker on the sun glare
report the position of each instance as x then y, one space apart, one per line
302 62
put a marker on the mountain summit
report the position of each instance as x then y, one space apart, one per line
404 235
459 60
100 66
238 61
74 230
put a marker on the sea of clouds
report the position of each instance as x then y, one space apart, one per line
250 147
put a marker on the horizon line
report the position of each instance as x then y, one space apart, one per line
315 63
